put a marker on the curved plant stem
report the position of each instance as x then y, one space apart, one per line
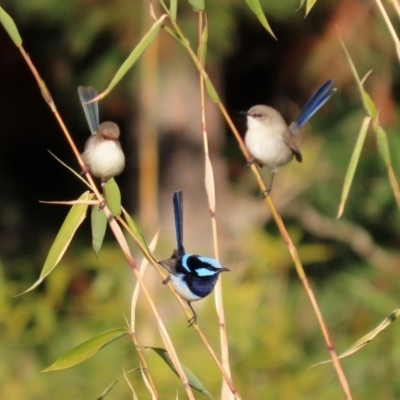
278 221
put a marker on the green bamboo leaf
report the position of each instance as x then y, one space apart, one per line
87 349
99 226
368 337
63 239
309 5
107 390
173 8
10 27
173 34
136 231
198 5
135 54
194 382
113 197
212 93
257 9
382 142
109 387
384 151
353 164
369 105
79 176
202 50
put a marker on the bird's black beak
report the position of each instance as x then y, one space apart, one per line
243 112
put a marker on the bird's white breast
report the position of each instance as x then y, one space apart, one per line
105 159
266 145
182 289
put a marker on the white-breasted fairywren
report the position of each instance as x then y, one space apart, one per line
268 138
192 276
103 155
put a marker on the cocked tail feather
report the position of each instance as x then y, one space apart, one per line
317 100
178 214
91 110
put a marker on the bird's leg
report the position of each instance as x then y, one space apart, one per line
192 320
85 170
268 191
166 280
250 161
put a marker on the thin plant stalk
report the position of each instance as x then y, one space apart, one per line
132 326
209 178
390 25
292 249
185 308
114 227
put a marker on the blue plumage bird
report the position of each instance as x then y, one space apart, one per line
192 276
268 138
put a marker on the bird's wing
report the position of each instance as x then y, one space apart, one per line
291 142
91 110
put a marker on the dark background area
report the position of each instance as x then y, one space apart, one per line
274 337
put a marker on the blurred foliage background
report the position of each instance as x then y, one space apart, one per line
274 336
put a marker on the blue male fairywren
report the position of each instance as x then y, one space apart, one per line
193 277
103 155
268 138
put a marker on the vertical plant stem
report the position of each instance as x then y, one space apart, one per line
281 226
209 180
115 228
145 368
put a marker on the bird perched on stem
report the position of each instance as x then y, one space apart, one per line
103 155
268 138
192 276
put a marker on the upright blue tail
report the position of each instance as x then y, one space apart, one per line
178 213
91 109
317 100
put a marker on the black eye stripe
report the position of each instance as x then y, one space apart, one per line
194 263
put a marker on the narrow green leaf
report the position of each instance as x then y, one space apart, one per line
309 5
79 176
87 349
173 34
10 27
368 337
63 239
382 142
212 93
257 9
194 382
202 50
109 387
107 390
198 5
99 226
173 9
136 231
353 164
135 54
112 195
369 105
384 151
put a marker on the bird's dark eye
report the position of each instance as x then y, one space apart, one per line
259 115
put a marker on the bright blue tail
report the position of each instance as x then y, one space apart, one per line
317 100
91 109
178 213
